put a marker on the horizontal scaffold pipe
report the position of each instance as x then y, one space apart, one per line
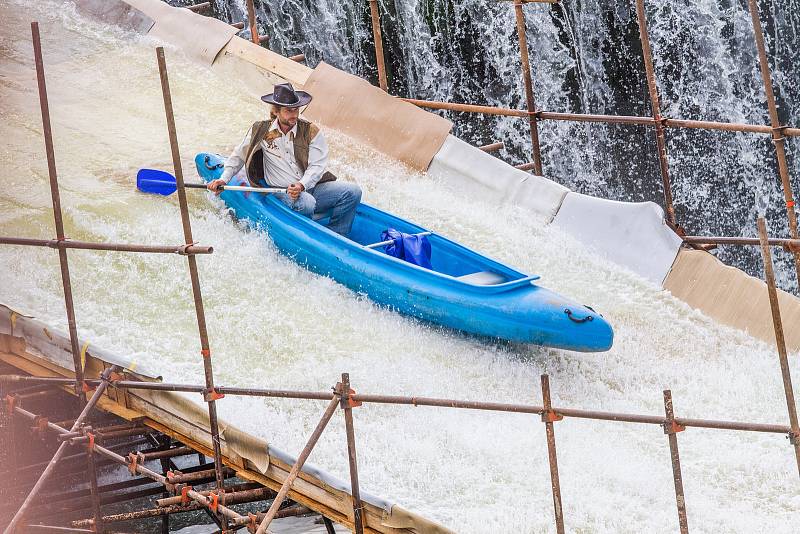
607 119
426 401
792 245
114 247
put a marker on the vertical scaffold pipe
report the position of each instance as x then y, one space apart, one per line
661 143
780 340
198 298
376 35
777 130
671 429
548 417
253 22
526 78
59 223
347 406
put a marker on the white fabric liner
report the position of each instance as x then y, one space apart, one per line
630 234
469 169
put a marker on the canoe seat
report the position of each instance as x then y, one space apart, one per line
483 278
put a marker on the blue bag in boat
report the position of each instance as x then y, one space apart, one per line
412 248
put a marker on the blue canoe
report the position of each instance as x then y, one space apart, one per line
464 291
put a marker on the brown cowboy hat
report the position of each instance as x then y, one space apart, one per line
284 95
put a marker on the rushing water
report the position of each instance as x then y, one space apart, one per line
273 324
586 58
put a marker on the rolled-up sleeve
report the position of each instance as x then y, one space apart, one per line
317 161
235 161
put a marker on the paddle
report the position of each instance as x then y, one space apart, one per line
163 183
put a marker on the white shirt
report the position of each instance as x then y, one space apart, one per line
280 165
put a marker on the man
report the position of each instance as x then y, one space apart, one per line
291 152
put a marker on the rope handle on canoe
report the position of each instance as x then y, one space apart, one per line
575 319
212 167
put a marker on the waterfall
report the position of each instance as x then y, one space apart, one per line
586 57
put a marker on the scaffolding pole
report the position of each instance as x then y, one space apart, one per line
780 340
57 213
528 83
777 130
205 351
661 143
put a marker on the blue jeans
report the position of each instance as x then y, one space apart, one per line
339 199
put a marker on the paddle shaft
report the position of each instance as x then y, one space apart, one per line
241 188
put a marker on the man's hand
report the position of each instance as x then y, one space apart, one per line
214 185
294 190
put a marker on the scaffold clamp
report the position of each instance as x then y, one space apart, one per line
350 401
671 427
183 250
214 504
212 394
133 462
794 437
185 493
550 416
40 424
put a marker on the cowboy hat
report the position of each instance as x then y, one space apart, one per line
284 95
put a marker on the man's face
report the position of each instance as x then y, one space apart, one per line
287 117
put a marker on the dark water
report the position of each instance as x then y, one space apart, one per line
586 58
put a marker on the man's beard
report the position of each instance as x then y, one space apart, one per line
286 124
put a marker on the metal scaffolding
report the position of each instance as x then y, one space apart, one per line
182 495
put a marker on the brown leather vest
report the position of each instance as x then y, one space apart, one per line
254 157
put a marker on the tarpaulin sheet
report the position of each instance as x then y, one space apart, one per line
732 297
396 128
201 38
466 168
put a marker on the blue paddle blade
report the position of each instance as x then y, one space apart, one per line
155 181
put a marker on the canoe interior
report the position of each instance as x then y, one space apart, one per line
447 257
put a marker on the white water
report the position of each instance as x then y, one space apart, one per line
272 324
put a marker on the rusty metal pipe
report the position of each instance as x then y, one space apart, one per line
661 143
493 147
355 492
57 214
202 6
777 131
378 38
780 339
114 247
168 453
671 429
606 119
437 402
193 273
528 83
703 240
287 484
251 20
548 416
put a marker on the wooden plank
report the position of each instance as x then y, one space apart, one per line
294 72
